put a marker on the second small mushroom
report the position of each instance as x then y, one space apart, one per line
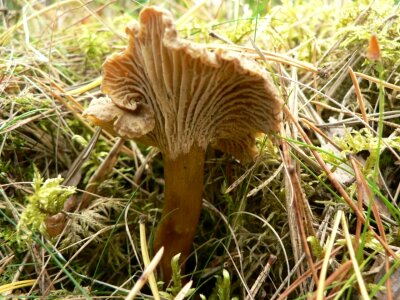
178 96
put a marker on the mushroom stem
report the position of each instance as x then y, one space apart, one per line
182 206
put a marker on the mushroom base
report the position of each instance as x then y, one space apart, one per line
182 207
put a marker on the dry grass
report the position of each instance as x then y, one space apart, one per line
316 216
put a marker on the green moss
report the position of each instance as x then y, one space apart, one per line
355 141
222 290
94 45
28 102
47 199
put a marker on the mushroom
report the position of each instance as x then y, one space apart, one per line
170 93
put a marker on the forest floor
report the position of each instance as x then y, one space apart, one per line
315 216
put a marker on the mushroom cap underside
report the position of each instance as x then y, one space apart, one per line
183 93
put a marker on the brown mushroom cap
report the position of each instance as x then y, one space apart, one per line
185 95
121 121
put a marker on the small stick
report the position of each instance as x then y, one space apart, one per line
302 221
270 56
146 258
16 285
359 200
220 37
87 87
322 282
320 132
376 80
261 278
356 267
360 98
148 271
266 182
82 157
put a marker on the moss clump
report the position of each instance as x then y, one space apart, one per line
47 199
356 141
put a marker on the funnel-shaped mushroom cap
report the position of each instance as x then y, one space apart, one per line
195 97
